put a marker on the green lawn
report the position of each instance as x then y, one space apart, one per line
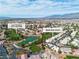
71 57
46 35
35 48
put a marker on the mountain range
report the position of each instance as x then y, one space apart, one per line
64 16
69 16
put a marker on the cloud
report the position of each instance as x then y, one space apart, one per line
37 8
62 0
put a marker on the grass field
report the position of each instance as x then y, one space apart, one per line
71 57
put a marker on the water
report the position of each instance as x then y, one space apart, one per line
27 40
3 52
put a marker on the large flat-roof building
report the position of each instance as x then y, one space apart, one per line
16 25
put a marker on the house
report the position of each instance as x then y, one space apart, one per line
55 48
65 50
75 42
37 56
76 52
65 40
23 56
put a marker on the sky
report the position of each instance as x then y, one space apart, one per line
37 8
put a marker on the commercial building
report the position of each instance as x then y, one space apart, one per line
54 29
16 25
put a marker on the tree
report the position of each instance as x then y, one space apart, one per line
35 48
12 35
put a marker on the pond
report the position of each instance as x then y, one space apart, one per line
28 40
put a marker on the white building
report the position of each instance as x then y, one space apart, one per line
16 25
73 34
65 50
55 48
75 42
54 29
65 40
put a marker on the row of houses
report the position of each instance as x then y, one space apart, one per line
58 42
